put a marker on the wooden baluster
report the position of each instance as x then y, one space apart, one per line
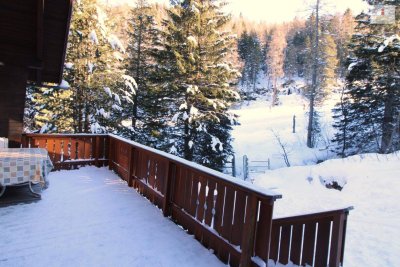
228 213
131 164
169 189
308 244
96 150
210 202
57 153
285 244
249 231
274 243
264 229
238 218
295 251
338 228
111 150
322 248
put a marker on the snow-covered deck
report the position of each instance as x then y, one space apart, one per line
90 217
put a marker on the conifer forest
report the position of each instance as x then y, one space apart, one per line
167 76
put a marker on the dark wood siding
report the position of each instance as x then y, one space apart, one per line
33 40
20 23
12 102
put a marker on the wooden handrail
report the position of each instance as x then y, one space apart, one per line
58 135
225 214
311 216
261 192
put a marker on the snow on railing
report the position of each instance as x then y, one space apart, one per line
227 215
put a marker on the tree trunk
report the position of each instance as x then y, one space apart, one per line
79 110
275 93
310 129
87 119
187 153
388 123
344 112
138 78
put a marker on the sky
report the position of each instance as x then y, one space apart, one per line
276 11
286 10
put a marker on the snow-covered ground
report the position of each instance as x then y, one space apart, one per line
261 124
90 217
370 182
371 185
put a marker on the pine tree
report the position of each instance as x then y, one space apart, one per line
329 66
295 50
94 71
275 60
249 48
367 120
52 119
197 79
143 38
342 26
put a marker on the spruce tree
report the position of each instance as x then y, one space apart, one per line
329 66
295 53
249 48
194 73
94 71
275 60
143 45
368 118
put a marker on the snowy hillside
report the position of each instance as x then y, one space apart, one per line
260 122
370 182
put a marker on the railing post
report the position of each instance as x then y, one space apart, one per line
338 233
111 150
95 149
170 178
234 166
132 166
24 141
249 230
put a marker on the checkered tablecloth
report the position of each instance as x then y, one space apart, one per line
20 165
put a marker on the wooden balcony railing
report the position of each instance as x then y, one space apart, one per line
68 151
227 215
313 239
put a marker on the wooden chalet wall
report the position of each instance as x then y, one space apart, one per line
12 102
33 41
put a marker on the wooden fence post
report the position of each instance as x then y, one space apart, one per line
249 230
170 178
132 166
111 150
294 123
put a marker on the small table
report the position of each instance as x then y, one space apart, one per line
21 166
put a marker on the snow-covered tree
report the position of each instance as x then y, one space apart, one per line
342 28
368 118
329 66
94 71
143 38
250 52
275 60
196 80
296 50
